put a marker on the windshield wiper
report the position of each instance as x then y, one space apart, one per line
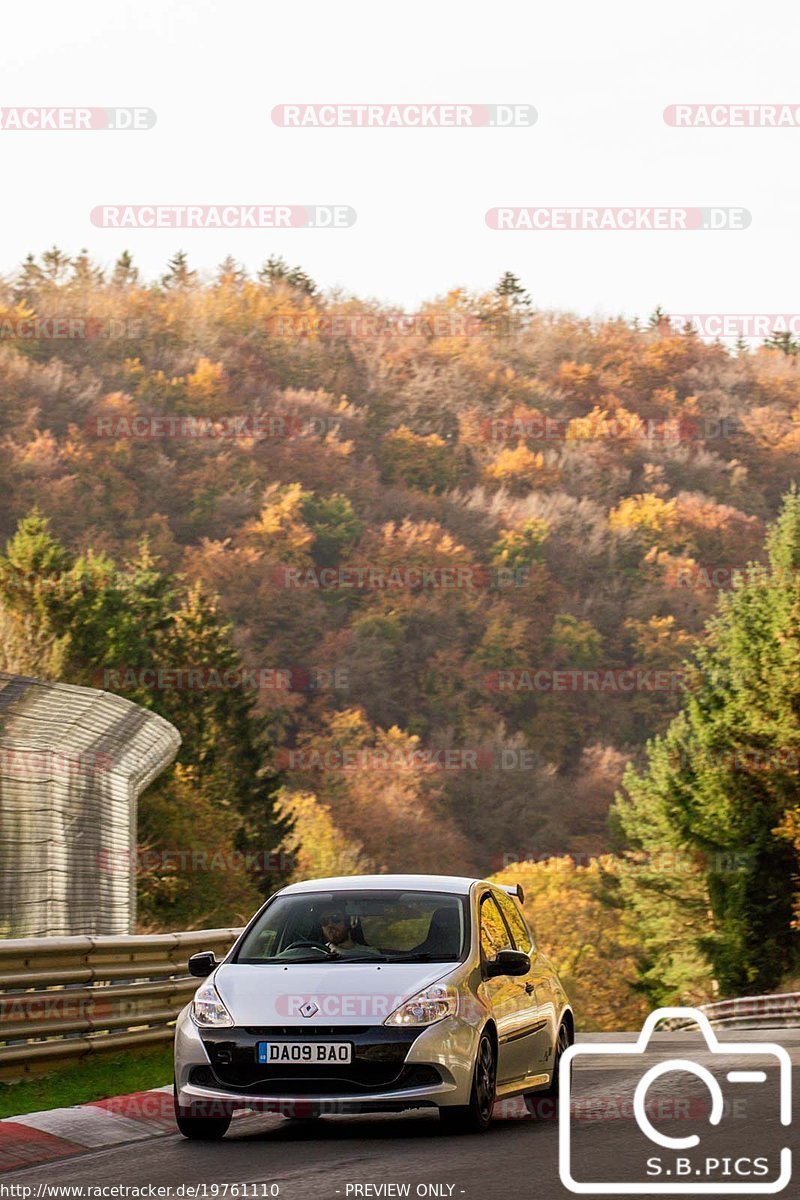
363 958
306 958
310 959
423 957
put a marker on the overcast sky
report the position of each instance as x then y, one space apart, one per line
599 75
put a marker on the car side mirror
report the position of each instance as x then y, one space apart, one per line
508 962
202 964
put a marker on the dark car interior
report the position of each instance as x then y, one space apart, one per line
399 927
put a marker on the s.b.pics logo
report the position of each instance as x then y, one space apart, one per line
730 1102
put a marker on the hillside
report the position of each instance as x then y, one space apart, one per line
464 552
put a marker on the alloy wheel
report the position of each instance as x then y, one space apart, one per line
485 1078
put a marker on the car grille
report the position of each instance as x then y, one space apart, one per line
353 1079
273 1032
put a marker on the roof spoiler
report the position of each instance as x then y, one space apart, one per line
516 890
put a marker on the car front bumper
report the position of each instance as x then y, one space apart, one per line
393 1069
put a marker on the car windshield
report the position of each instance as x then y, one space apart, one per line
358 926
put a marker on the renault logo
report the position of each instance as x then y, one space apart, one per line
309 1008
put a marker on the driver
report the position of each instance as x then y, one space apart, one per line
338 933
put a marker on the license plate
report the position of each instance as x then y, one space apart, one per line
305 1052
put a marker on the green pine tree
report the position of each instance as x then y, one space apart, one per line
510 288
29 279
334 524
276 271
717 786
87 620
783 342
34 572
178 276
230 273
125 274
84 272
55 264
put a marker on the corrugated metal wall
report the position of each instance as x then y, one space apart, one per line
73 762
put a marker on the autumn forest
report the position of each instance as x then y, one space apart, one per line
418 590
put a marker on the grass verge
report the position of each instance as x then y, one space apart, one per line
94 1079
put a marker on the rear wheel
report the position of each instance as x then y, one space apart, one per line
476 1116
543 1106
198 1128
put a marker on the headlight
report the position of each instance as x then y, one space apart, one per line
208 1009
428 1006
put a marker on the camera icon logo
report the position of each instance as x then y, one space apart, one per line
686 1166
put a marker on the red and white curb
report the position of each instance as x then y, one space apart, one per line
64 1132
42 1137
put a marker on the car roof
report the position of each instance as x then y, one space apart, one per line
459 885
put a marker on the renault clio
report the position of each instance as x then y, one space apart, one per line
373 993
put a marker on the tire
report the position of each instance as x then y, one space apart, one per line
475 1117
198 1129
543 1106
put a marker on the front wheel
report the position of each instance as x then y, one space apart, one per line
476 1116
543 1106
198 1129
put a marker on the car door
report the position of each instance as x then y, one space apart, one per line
535 1025
501 993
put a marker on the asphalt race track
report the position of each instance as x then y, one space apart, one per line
381 1156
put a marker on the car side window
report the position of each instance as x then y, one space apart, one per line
494 934
519 930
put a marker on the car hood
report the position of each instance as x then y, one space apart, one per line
340 993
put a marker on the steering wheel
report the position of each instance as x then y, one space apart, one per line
302 942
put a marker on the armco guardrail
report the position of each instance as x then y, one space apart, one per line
64 998
779 1010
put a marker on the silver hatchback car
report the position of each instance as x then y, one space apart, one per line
373 993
